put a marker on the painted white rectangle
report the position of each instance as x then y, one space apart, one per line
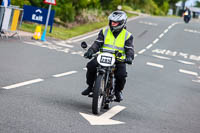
170 27
64 74
149 46
155 41
161 57
23 84
142 51
166 31
186 62
6 20
161 35
155 65
188 72
62 44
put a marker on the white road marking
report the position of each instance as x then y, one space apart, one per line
161 57
155 41
46 42
85 69
166 31
64 74
83 38
155 65
170 27
197 81
23 84
104 119
192 31
188 72
63 44
148 23
149 46
161 35
142 51
186 62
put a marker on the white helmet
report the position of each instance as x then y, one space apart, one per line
117 16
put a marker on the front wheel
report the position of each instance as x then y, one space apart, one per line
98 95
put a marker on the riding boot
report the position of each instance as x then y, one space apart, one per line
87 91
118 95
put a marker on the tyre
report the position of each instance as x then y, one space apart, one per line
98 96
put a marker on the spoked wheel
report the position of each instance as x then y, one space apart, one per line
98 96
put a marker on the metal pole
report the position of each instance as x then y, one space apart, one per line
47 21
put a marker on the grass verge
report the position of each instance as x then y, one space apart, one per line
66 33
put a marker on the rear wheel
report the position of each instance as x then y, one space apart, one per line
98 96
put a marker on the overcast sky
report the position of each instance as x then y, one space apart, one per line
191 2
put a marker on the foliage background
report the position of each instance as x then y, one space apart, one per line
93 10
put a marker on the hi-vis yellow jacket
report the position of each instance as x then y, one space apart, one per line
115 44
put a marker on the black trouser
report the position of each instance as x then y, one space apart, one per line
120 74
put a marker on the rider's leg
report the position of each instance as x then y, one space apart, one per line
90 76
120 76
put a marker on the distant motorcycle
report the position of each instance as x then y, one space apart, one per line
186 17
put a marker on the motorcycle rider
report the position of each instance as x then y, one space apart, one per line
187 15
115 37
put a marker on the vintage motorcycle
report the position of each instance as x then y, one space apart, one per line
103 90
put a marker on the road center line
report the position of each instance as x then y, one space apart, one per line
161 35
155 65
64 74
149 46
188 72
23 84
166 31
142 51
155 41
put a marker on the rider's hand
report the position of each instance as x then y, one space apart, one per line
129 60
89 54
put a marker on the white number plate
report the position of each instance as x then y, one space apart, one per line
106 59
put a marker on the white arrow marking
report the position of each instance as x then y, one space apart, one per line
104 119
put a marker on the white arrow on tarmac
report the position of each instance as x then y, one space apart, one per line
104 119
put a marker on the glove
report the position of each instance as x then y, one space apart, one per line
129 60
89 54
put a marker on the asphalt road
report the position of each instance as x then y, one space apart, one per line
41 83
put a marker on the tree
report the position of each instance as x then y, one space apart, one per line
197 4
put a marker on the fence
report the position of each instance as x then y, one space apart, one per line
10 20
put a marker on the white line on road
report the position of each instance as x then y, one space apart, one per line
170 27
155 65
161 35
149 46
197 81
186 62
113 111
23 84
64 74
142 51
155 41
62 44
104 119
188 72
161 57
83 38
166 31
